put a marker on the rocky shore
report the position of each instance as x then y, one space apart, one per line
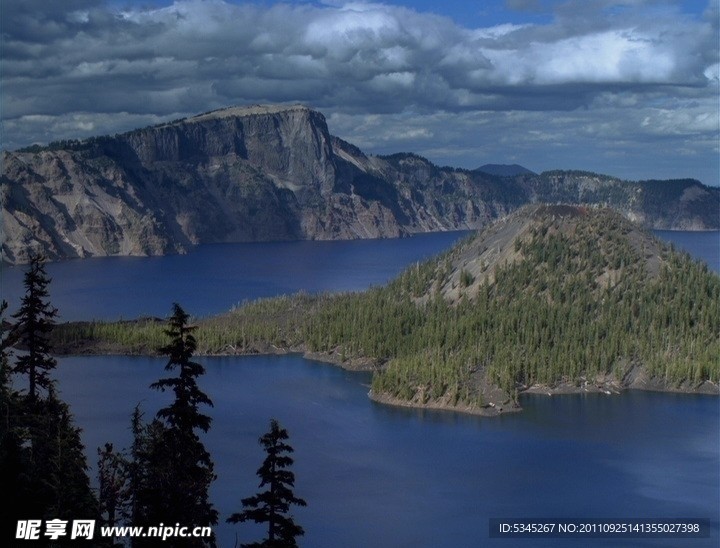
495 402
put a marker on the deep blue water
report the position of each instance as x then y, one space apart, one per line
380 476
376 475
701 245
213 278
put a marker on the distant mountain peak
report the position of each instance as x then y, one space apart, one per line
505 170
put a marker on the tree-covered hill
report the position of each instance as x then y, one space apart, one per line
552 297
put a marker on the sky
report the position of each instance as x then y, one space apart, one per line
625 88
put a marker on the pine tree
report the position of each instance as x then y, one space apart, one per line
35 320
136 468
45 451
65 467
143 499
176 470
13 460
112 484
183 414
272 505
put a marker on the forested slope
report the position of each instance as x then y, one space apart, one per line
552 296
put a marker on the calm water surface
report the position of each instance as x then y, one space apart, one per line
375 475
380 476
213 278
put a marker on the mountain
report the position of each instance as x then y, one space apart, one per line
553 298
550 299
505 170
275 173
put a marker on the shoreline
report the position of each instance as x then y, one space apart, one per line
610 387
494 409
491 410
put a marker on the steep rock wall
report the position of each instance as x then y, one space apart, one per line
275 173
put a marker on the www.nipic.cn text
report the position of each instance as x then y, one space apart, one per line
84 529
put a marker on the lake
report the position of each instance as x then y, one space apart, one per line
380 476
375 475
213 278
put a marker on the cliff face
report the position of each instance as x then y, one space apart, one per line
275 173
235 175
681 204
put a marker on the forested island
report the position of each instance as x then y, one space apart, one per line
550 299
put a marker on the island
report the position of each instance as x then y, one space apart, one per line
552 298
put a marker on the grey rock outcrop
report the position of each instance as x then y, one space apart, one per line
275 173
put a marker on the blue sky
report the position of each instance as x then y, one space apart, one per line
628 88
475 13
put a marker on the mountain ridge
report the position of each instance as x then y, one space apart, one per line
275 172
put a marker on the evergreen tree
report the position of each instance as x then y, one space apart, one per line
112 485
42 451
272 505
63 467
147 500
13 469
35 320
50 479
183 414
137 466
143 500
174 470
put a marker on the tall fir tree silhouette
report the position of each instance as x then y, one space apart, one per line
35 320
13 468
174 471
42 449
272 505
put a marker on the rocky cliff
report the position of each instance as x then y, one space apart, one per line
275 173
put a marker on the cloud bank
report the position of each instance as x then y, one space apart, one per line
606 83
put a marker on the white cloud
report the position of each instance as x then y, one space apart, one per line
712 73
440 63
596 59
700 120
